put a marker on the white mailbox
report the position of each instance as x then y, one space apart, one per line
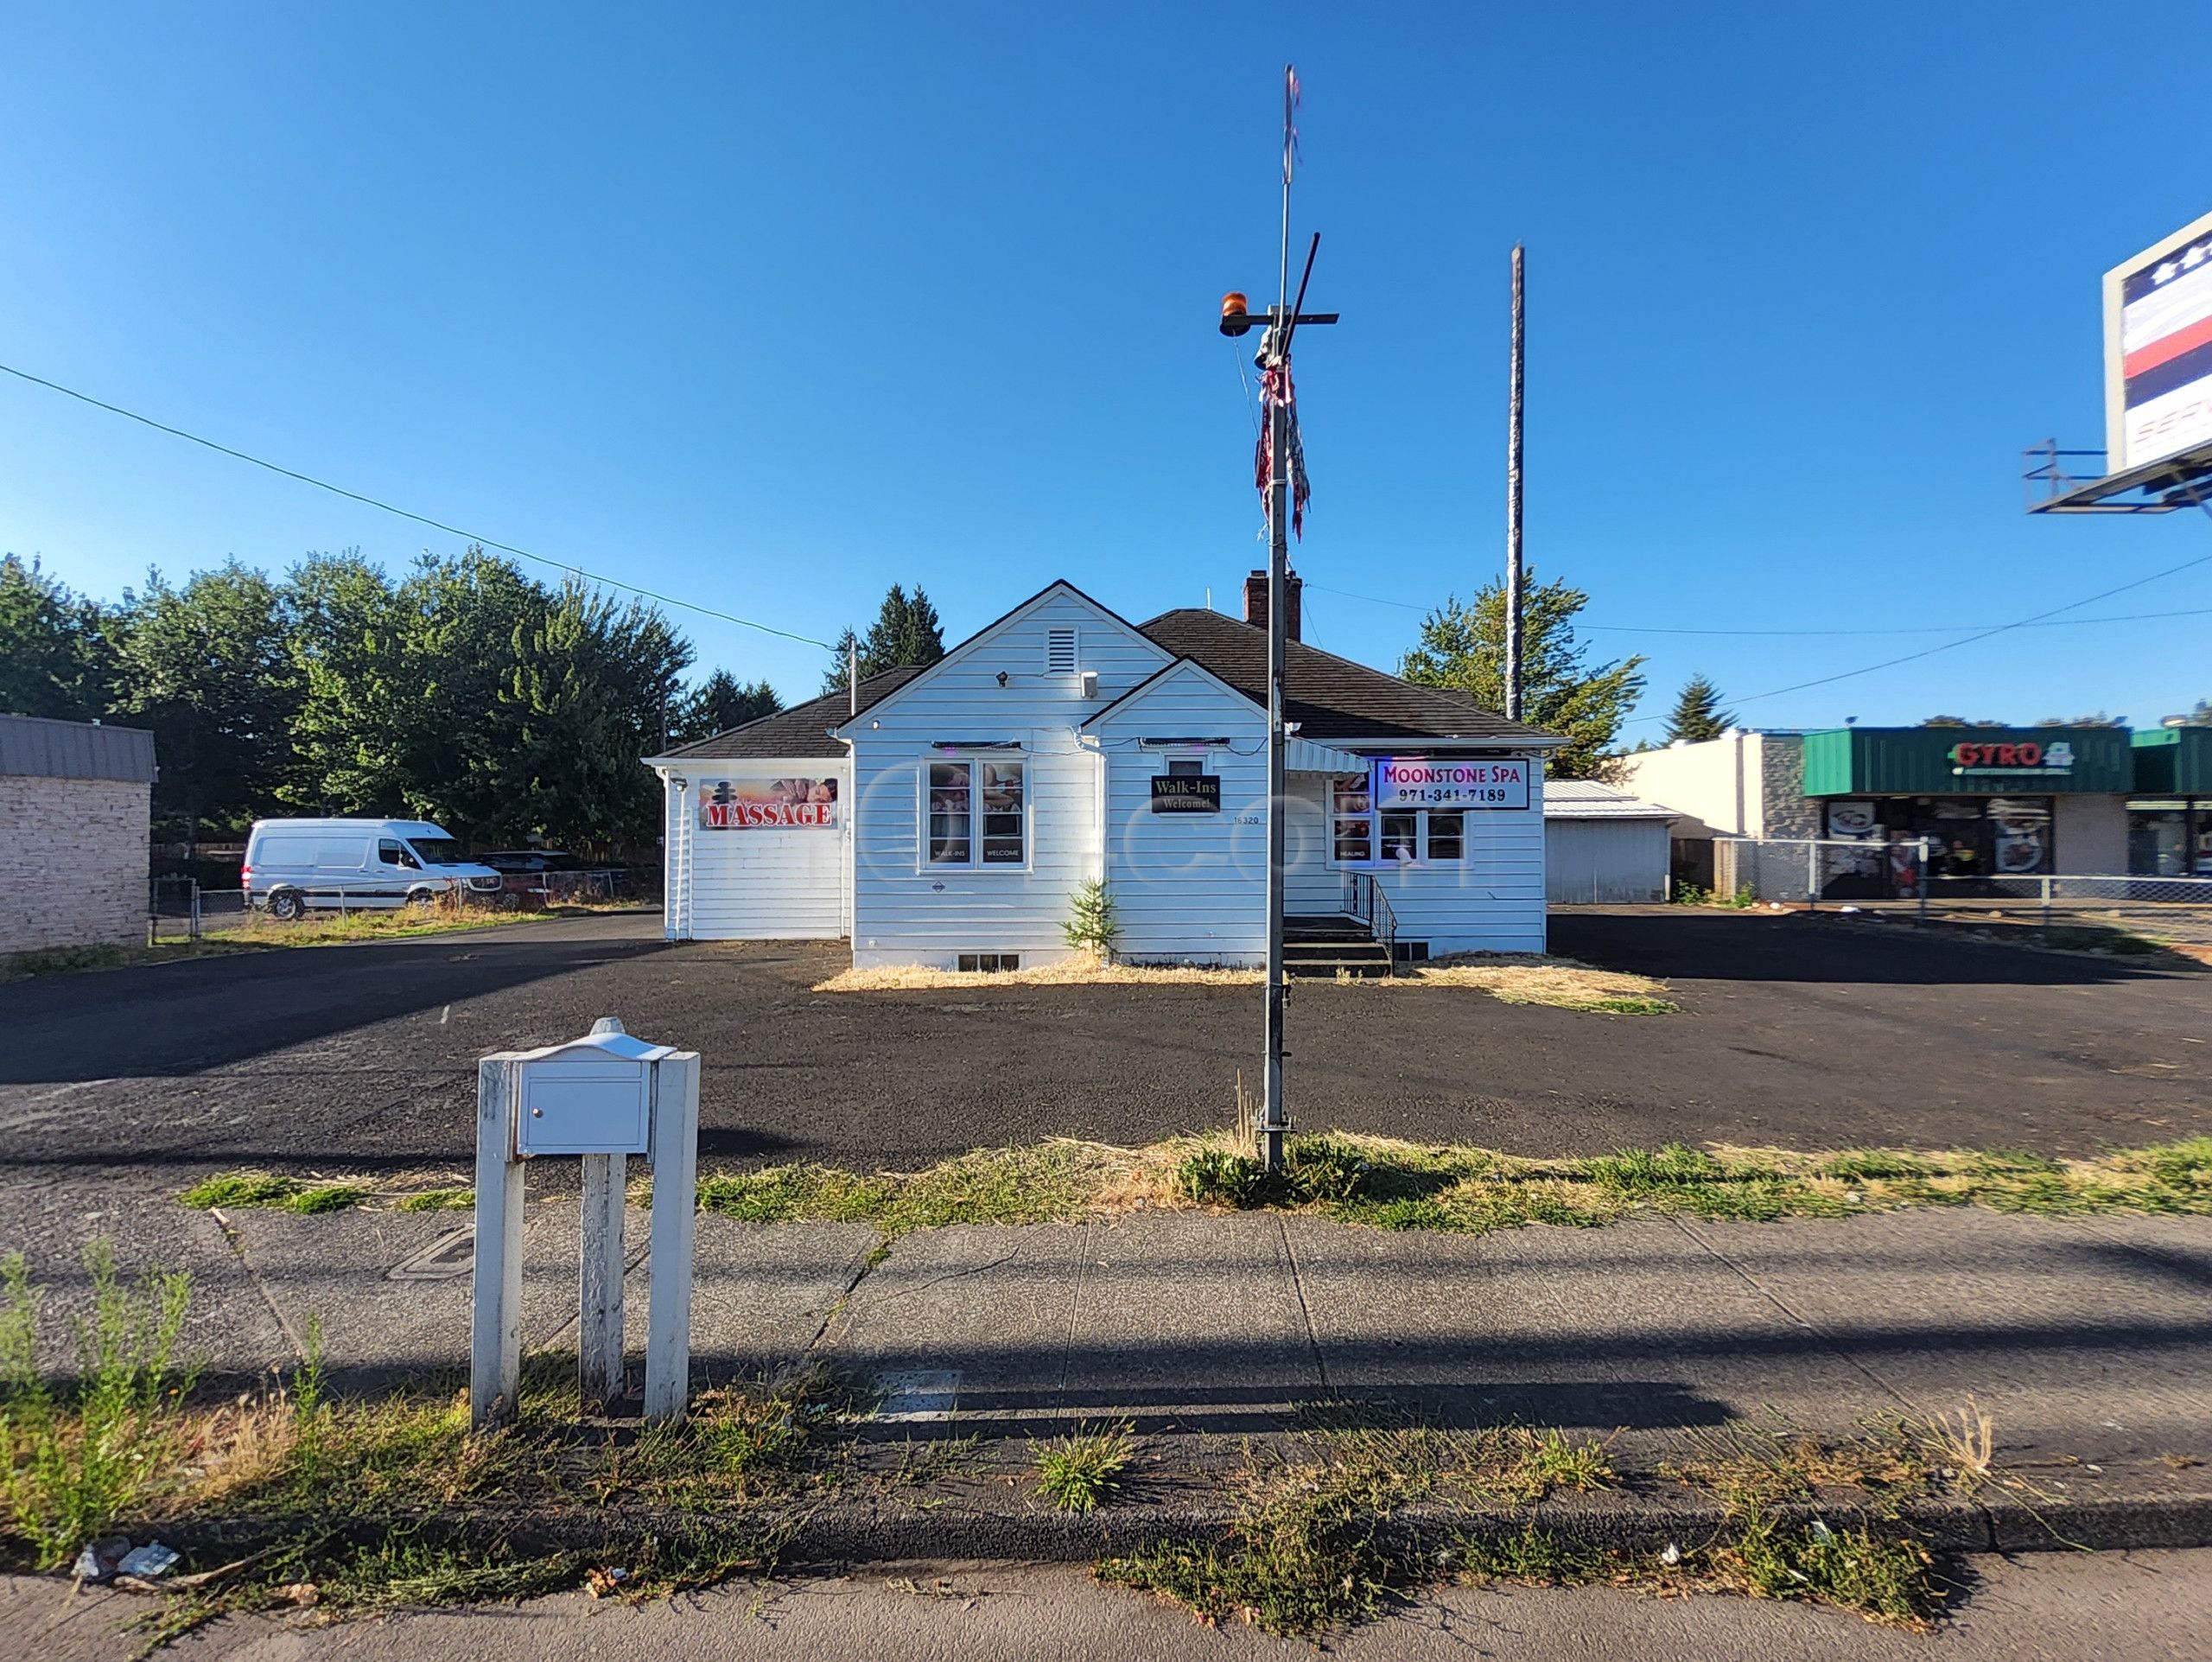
590 1096
606 1096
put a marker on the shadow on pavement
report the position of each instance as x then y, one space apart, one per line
1705 944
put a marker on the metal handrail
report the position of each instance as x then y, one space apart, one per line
1365 902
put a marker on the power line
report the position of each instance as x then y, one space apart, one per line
1944 628
419 519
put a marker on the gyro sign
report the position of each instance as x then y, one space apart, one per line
1402 782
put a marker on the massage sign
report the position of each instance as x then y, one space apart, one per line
1983 758
770 804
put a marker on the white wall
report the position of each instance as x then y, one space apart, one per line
907 913
760 884
1188 888
1605 862
1490 902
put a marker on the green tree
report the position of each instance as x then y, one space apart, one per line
208 668
718 704
906 631
1462 648
592 684
57 649
358 688
1697 715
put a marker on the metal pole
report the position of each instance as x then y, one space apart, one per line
1924 880
1274 1121
1812 874
853 679
1513 503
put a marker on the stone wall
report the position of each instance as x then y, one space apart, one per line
72 861
1784 809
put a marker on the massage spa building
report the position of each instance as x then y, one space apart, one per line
947 816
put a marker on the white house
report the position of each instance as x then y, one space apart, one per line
946 815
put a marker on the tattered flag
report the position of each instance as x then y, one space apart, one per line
1276 387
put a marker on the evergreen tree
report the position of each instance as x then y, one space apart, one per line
841 658
906 631
1462 648
1697 714
717 705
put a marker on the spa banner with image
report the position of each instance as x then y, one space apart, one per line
769 804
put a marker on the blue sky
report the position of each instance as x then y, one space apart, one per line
771 307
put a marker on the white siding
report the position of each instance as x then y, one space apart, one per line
906 912
1188 888
1490 902
1606 862
759 883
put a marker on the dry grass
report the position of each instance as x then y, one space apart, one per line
1510 977
1082 971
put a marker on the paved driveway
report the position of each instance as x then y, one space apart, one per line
1794 1032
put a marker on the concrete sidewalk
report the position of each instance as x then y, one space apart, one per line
2086 1340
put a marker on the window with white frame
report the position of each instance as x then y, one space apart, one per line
977 813
1359 835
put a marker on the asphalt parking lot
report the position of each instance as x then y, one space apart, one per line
1794 1032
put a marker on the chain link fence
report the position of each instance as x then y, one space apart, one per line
1894 878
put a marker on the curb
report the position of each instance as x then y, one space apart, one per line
831 1535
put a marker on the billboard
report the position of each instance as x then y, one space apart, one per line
770 804
2158 351
1402 782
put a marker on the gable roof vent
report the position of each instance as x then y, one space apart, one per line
1060 652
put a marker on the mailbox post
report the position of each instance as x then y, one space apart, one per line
604 1096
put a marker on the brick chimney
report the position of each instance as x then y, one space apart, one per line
1256 601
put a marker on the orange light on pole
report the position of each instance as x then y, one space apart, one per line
1236 313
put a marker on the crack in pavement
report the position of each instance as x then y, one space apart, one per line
1783 1304
1298 1286
236 1242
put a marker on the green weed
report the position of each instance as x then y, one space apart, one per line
1535 1557
1885 1578
81 1457
1084 1470
439 1200
261 1188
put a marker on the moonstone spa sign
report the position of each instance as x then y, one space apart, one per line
1404 782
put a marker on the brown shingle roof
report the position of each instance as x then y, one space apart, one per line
802 730
1328 696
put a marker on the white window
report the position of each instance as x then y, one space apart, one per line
1358 836
1060 652
977 813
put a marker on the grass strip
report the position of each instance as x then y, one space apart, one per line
1380 1182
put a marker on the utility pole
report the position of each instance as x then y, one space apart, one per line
1281 483
1513 504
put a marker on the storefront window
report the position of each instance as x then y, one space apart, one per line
1361 837
1967 837
1352 808
975 806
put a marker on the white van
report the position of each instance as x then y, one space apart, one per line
358 864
